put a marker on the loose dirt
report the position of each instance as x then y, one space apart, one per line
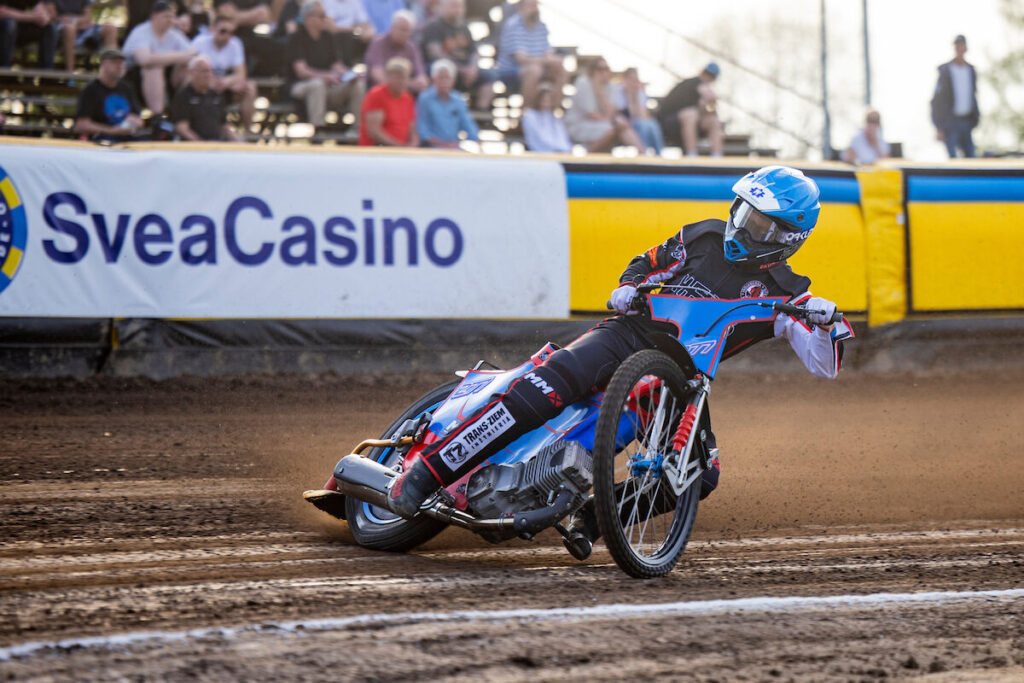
159 508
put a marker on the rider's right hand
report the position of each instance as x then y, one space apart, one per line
622 298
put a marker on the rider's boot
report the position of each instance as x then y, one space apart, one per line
528 403
411 489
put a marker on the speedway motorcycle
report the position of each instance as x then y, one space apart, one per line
634 452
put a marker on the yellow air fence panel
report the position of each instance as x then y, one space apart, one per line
617 211
966 238
884 227
604 234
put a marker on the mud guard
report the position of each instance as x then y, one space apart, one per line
671 347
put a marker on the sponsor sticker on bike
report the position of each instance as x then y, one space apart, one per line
488 427
700 348
469 386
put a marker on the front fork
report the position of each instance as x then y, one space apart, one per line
681 470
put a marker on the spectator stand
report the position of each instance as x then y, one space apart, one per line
40 102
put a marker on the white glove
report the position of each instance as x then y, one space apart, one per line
623 296
819 304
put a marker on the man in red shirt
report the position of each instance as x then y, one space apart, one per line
389 111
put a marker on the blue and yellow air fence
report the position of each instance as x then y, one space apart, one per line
894 241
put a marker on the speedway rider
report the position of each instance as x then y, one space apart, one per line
774 211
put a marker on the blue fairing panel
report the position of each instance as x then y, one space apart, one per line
702 325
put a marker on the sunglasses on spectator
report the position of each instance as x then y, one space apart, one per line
224 31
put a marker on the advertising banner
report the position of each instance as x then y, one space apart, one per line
251 234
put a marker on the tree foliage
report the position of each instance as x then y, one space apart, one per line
1006 74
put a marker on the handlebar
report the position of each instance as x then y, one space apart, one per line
788 309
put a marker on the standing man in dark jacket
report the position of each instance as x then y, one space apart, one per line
955 103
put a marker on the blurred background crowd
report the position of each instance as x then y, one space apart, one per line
457 74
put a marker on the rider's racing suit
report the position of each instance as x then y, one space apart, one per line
691 263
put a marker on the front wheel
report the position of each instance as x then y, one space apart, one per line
645 526
378 528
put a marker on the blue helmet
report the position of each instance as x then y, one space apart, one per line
775 210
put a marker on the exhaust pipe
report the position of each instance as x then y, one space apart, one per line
369 481
364 479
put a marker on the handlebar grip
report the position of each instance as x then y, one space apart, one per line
790 309
800 312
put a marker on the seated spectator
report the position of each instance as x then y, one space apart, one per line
264 56
31 21
197 15
441 113
74 22
397 42
382 12
631 101
389 112
317 73
868 145
139 11
155 48
448 37
107 106
592 120
425 10
227 57
350 24
287 21
525 57
197 111
688 109
542 130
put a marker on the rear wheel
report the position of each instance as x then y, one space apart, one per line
378 528
645 526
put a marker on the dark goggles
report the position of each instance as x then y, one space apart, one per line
761 227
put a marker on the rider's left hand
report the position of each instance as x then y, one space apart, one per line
819 304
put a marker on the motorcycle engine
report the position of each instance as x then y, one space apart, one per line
498 490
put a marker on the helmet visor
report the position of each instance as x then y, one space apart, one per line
760 227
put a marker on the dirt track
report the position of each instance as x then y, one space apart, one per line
162 508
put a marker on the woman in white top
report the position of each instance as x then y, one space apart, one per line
545 132
868 145
592 120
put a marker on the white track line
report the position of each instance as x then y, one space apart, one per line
617 611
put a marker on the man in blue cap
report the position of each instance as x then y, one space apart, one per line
689 109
